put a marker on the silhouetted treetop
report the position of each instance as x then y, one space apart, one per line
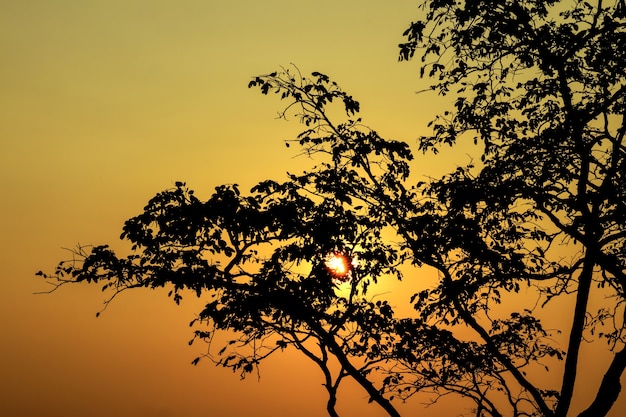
539 87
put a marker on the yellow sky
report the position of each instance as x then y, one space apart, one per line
103 103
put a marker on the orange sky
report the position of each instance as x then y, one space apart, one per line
104 103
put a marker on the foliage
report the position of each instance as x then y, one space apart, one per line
540 87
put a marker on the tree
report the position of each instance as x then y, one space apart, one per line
539 86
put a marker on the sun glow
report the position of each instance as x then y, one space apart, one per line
340 266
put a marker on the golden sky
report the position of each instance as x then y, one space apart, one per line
103 103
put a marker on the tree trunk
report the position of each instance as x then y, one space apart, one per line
609 388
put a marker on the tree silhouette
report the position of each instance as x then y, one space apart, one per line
539 86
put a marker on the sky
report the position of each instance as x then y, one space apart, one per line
105 103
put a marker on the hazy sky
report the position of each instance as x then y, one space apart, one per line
105 103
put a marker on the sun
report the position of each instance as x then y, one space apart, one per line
340 266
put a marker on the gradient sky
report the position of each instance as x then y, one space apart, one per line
105 103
